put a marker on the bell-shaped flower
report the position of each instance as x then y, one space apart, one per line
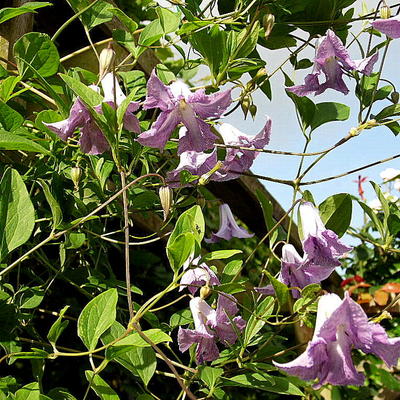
240 160
322 246
197 275
92 140
341 326
228 227
390 26
211 326
179 105
332 60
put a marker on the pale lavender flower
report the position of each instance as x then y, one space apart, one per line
322 246
198 275
179 105
390 26
332 60
341 326
211 326
239 160
92 140
228 227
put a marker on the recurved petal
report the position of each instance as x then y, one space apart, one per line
213 105
390 27
159 133
308 364
311 85
158 95
78 117
366 65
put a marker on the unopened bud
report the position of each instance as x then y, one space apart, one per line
245 104
76 174
106 61
205 291
379 318
394 96
385 12
260 74
253 110
205 178
166 198
268 24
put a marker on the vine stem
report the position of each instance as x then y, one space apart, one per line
126 245
53 236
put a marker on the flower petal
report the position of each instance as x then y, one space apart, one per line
158 95
213 105
390 27
92 140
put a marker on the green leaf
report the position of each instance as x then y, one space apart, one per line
169 20
182 317
31 298
100 386
150 34
221 254
265 382
57 328
210 375
30 391
389 111
17 215
336 213
281 290
382 199
88 95
393 222
12 141
268 210
125 39
10 119
99 13
155 335
231 270
60 394
180 249
97 317
247 40
141 361
7 87
12 12
374 218
36 50
129 23
327 112
54 206
257 319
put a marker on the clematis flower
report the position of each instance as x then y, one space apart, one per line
332 59
322 248
238 160
211 326
179 105
92 140
341 325
200 275
390 26
228 227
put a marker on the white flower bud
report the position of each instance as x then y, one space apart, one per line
166 199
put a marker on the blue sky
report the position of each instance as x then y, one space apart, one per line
369 146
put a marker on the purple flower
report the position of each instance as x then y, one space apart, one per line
341 326
228 227
179 105
332 59
92 140
390 26
211 326
237 160
322 248
200 275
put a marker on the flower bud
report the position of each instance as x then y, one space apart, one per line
205 291
394 96
106 61
268 24
253 110
245 104
166 198
385 12
76 174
